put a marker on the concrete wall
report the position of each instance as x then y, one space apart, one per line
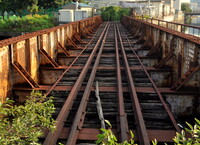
21 57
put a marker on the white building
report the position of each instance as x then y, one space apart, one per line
194 7
74 12
104 3
177 4
158 8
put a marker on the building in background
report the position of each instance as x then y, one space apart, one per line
75 11
156 8
177 4
194 7
104 3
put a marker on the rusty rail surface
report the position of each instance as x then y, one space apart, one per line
122 113
171 116
184 28
80 115
141 128
53 136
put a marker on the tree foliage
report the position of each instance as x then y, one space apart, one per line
31 6
185 7
28 23
4 6
113 13
23 124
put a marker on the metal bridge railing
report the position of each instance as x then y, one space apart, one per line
184 28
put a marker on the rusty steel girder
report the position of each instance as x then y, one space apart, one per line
25 50
53 136
178 50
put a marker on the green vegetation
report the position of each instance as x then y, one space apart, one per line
18 7
28 23
113 13
13 14
108 138
185 7
23 124
194 132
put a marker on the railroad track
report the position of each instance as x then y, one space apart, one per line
110 59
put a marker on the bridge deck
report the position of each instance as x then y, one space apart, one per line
144 83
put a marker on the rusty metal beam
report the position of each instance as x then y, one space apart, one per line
83 33
91 133
178 84
80 114
67 69
63 114
165 59
25 75
64 50
87 30
106 68
156 49
109 89
157 91
141 128
41 32
71 43
148 43
77 37
173 32
48 58
112 55
122 115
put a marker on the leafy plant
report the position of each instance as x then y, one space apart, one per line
108 138
23 124
28 23
194 132
181 139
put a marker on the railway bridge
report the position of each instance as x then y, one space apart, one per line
144 76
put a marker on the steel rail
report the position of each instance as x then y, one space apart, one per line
52 137
155 88
122 114
140 125
80 115
61 76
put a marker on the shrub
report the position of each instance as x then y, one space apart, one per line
108 138
27 23
23 124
